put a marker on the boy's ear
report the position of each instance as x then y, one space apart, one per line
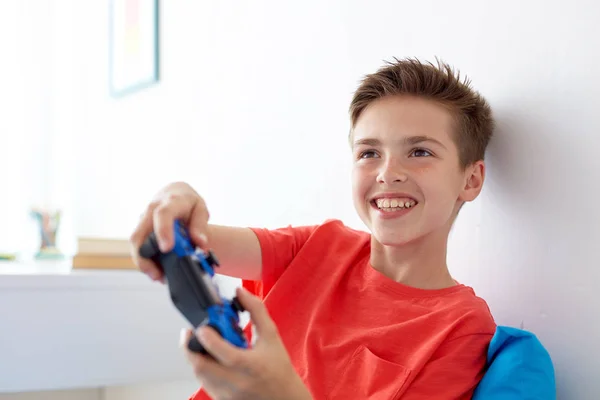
474 177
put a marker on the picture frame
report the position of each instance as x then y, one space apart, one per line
134 45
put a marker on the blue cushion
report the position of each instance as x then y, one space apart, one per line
519 367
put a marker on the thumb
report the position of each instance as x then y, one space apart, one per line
265 327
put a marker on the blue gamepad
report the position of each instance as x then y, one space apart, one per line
189 275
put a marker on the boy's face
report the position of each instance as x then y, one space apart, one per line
406 177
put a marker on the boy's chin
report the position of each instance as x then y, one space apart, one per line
389 238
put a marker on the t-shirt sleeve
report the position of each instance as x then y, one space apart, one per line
278 249
454 370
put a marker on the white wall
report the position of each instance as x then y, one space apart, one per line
229 98
251 110
26 125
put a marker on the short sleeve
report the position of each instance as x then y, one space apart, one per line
278 248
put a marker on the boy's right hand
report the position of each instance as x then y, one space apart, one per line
175 201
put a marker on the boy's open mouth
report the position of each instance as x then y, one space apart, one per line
390 204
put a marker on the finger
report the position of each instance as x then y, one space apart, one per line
224 352
205 368
168 210
198 225
140 233
184 337
265 327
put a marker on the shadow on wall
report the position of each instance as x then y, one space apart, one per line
540 227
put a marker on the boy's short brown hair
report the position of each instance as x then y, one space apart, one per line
411 77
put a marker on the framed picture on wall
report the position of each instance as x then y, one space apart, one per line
134 50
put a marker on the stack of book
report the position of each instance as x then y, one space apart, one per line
103 253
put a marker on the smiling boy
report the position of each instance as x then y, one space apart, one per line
350 314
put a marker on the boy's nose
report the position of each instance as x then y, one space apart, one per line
392 173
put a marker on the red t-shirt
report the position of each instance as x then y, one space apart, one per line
353 333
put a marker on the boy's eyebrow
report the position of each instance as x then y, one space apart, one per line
410 140
367 142
413 140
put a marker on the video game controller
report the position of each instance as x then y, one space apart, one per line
189 275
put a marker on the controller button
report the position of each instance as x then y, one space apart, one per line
235 326
211 259
236 305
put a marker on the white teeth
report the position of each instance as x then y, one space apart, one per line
394 204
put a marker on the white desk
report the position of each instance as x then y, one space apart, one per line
63 329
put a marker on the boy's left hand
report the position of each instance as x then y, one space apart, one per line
263 372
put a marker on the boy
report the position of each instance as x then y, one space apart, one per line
353 315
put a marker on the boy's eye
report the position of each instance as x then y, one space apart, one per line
368 154
421 153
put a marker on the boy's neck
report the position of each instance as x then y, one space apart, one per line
420 264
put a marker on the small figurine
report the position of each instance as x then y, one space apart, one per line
48 225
